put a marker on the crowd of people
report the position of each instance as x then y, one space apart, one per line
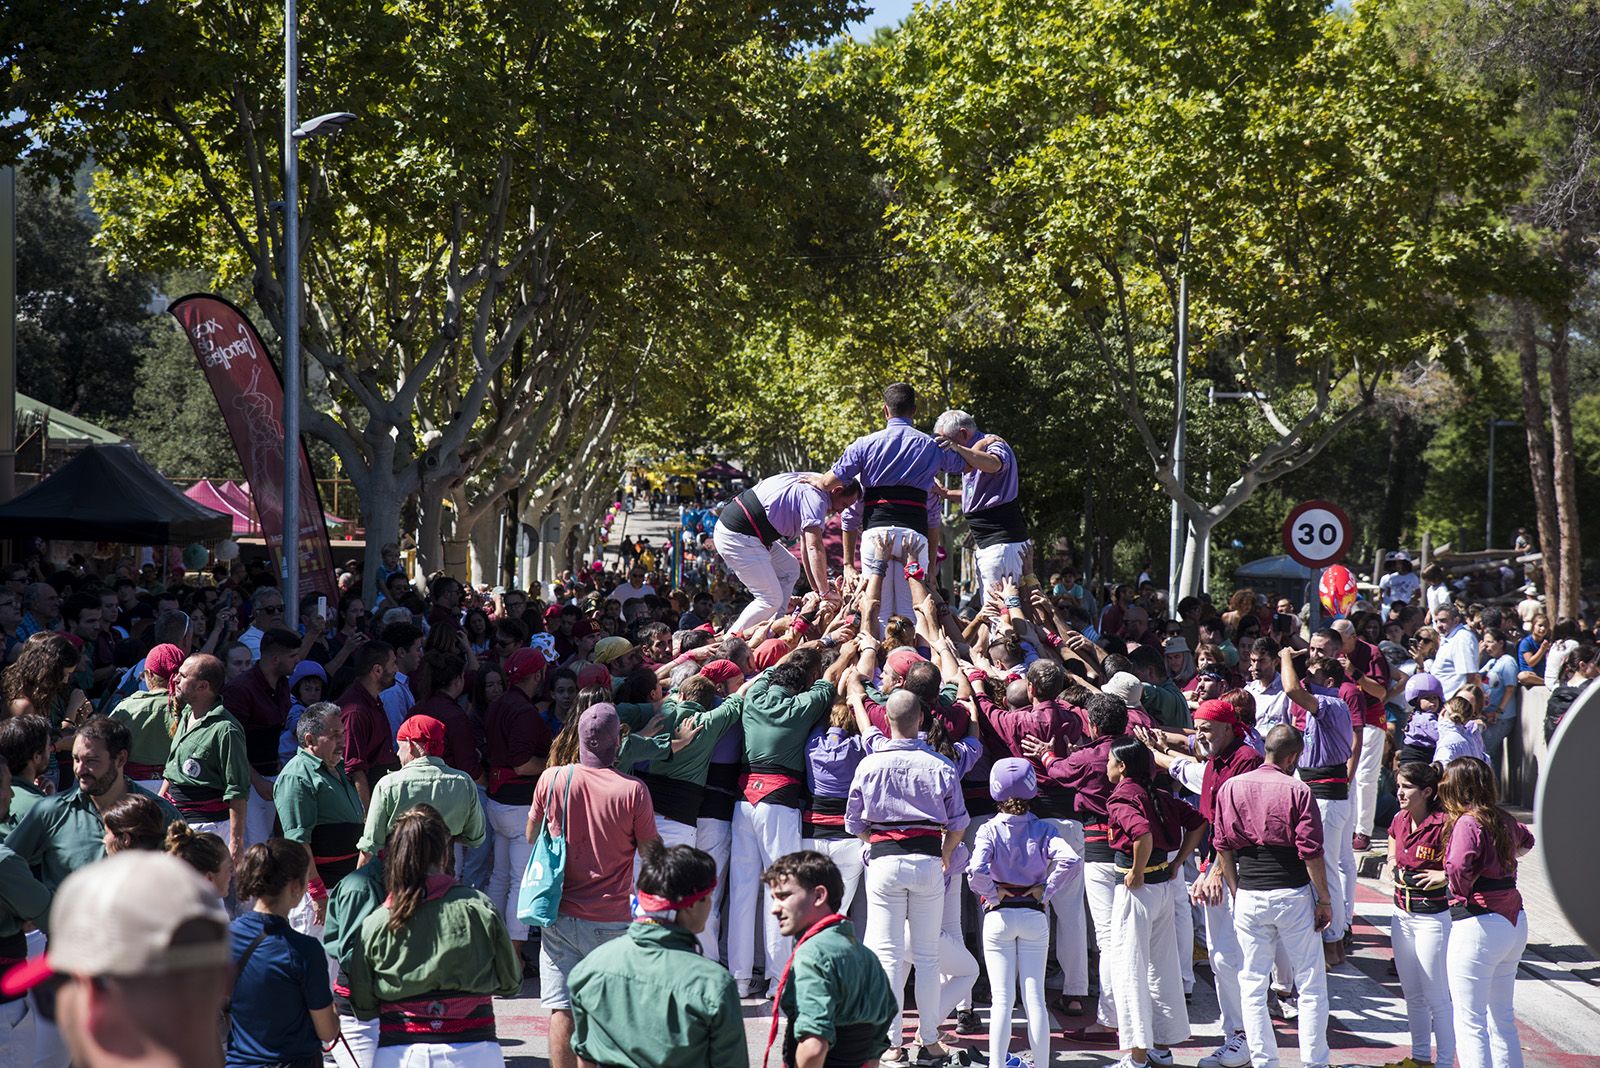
660 802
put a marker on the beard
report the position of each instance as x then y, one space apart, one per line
99 787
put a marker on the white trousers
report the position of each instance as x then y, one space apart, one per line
849 856
259 816
1222 943
768 572
1072 927
1100 880
508 829
1183 922
1420 941
714 837
1015 945
1007 560
49 1049
1364 791
1340 856
1482 959
761 834
216 827
17 1039
674 833
907 892
1151 1011
440 1055
1262 919
958 969
360 1043
896 590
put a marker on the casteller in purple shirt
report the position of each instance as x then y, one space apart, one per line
897 455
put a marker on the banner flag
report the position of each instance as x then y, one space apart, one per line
248 390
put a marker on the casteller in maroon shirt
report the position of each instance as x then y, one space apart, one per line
368 739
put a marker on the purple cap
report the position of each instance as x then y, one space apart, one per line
1012 778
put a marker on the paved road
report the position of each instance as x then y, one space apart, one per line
1558 1000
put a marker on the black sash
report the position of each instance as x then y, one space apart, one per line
1410 898
831 809
1483 884
1055 802
13 951
333 846
852 1045
1270 868
1156 871
1331 782
746 515
261 748
896 506
674 799
1001 525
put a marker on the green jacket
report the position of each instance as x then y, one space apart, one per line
690 763
650 999
22 897
837 982
151 723
349 904
427 780
777 722
455 942
1167 705
210 753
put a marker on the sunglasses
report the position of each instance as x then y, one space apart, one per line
270 609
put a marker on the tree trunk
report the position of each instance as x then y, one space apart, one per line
1395 494
1526 329
1563 459
1191 579
381 499
430 532
484 538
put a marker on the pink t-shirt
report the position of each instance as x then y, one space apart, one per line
610 816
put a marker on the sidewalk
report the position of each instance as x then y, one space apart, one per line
1558 1000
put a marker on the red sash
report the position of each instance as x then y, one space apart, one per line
757 785
777 999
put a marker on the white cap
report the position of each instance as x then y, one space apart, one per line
1126 686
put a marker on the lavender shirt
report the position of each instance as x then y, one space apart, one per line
1272 707
968 750
831 760
983 489
1422 729
1019 851
1329 735
897 455
1459 741
792 504
905 782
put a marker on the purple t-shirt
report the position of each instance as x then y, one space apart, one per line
1019 851
985 489
831 759
792 503
897 455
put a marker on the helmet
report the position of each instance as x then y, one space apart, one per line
1423 685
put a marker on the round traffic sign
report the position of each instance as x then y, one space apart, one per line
1562 806
1317 533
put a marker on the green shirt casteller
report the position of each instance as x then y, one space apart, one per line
22 897
689 764
24 795
1167 705
309 794
356 897
837 982
651 998
777 722
454 943
428 780
210 753
151 721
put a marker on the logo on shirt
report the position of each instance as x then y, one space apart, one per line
191 768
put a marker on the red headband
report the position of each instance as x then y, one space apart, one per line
652 903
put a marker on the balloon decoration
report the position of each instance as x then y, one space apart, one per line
1338 589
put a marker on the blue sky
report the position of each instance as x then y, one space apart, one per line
884 13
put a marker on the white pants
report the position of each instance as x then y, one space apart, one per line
1420 941
17 1039
1262 919
714 837
768 572
440 1055
1072 928
360 1043
1150 1008
216 827
1015 945
1364 791
1183 922
259 816
1222 943
849 856
1005 561
508 829
896 590
958 969
761 834
907 891
1482 957
49 1049
1100 881
1340 856
674 833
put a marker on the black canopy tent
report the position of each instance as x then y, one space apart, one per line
109 493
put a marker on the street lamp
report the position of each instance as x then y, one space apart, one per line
293 134
1488 511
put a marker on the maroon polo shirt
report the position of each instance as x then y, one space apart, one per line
1267 807
1131 813
460 741
1084 772
1365 659
369 741
262 710
515 734
1237 759
1421 849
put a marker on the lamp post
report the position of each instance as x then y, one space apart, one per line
1488 511
293 134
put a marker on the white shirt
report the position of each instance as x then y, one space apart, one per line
627 591
1456 659
251 640
1399 586
1438 597
1272 704
1559 651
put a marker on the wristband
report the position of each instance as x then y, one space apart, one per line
977 676
317 890
1052 639
1013 602
800 625
915 570
827 641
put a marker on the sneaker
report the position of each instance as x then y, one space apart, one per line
1162 1057
967 1023
1361 842
1234 1053
1283 1006
1127 1061
1409 1062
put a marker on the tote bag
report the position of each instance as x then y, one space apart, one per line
539 898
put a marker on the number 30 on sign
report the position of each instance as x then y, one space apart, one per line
1317 533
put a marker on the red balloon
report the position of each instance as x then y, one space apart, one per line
1338 590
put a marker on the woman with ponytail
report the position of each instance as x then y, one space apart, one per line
1143 827
1420 928
1488 929
433 946
152 716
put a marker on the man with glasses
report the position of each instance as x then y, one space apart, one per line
635 587
268 613
514 604
10 620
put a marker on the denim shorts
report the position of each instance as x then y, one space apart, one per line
561 946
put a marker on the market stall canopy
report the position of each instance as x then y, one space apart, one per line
209 495
1278 568
238 495
108 493
64 428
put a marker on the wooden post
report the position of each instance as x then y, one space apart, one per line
1426 552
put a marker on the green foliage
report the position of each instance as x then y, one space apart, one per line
174 421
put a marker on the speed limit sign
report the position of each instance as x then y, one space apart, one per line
1317 533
